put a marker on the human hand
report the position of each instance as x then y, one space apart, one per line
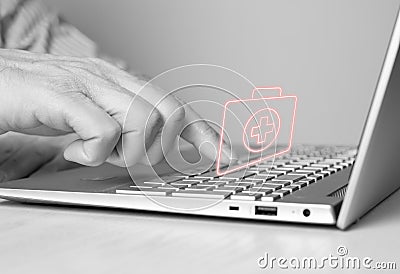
44 94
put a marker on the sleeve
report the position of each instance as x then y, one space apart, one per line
31 25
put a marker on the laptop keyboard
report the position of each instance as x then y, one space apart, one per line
265 181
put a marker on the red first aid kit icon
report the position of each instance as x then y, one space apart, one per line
266 121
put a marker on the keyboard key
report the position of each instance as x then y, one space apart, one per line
223 180
294 166
303 172
281 192
338 167
246 196
328 171
180 183
270 186
333 160
305 163
239 184
149 184
281 171
149 192
319 166
308 180
291 188
320 175
324 173
200 188
275 172
316 177
317 169
213 183
261 190
300 184
168 187
332 170
252 182
322 164
287 169
201 194
289 178
345 164
195 180
343 157
270 197
261 177
280 183
238 175
229 189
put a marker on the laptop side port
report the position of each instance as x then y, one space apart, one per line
266 210
235 208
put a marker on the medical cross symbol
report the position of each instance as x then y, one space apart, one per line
262 130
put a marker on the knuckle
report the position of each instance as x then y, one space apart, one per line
102 68
65 82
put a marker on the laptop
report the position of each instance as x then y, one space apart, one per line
330 185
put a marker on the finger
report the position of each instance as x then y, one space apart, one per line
199 132
139 131
173 115
23 163
56 164
98 132
171 110
164 140
139 120
41 130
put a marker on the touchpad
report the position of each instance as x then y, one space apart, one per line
79 180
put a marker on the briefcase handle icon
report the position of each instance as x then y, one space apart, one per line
258 92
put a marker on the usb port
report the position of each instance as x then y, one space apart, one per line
236 208
266 210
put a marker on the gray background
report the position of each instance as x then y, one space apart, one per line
328 53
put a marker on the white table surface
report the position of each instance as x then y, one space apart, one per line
56 239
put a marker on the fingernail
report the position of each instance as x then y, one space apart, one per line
3 177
